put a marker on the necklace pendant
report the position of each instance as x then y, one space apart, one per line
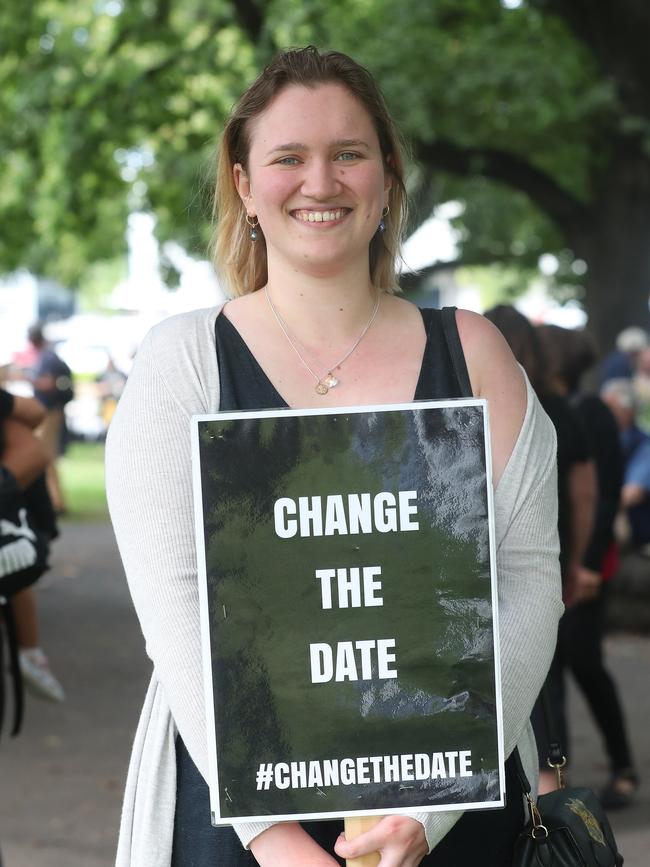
322 387
330 380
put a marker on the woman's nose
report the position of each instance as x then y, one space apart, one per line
320 180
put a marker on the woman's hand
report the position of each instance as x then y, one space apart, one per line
289 845
585 586
399 839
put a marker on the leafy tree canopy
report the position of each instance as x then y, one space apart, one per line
113 105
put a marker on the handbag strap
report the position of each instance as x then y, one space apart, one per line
521 773
556 758
539 830
7 619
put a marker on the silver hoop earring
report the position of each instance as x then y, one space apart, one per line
253 222
382 223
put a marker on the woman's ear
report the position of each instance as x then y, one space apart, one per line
243 187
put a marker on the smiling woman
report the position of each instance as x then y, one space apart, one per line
244 266
309 207
318 202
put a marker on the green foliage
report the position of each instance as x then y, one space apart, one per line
498 224
497 284
82 479
102 113
98 281
112 106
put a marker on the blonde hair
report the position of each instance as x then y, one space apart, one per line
241 262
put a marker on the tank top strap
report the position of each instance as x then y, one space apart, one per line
444 370
243 383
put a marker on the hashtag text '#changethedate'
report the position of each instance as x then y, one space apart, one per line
364 770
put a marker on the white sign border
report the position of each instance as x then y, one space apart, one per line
206 648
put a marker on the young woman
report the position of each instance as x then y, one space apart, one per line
310 202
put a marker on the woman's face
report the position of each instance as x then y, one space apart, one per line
315 179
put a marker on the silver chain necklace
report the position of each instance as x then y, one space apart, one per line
323 383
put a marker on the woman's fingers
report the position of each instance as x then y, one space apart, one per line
399 839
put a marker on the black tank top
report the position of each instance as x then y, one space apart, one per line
244 385
483 837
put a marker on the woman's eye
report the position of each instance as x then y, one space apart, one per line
288 161
348 155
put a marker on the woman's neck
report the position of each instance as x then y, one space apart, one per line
314 308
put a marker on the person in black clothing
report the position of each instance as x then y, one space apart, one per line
22 455
570 354
51 379
23 460
576 507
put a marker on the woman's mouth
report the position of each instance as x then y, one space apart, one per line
326 216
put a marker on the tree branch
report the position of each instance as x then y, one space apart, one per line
509 169
172 60
250 18
616 34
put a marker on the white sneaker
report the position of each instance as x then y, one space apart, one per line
37 676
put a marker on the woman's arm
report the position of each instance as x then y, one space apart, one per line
24 454
288 845
149 490
583 494
28 410
524 449
496 376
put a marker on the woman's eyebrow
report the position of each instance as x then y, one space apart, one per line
299 146
350 143
291 146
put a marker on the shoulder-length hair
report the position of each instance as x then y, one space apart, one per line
239 261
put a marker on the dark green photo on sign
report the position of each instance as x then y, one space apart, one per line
346 570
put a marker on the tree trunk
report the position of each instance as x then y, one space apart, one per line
617 285
615 244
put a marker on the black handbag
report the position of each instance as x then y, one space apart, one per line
23 547
568 827
23 559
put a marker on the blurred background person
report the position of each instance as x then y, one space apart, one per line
23 459
110 385
569 356
641 382
620 397
576 506
621 362
51 379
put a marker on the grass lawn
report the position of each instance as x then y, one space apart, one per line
82 479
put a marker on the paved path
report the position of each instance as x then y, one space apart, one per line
61 779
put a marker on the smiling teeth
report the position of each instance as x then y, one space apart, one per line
318 216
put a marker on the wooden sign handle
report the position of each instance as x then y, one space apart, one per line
355 825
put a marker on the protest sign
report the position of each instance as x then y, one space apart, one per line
346 564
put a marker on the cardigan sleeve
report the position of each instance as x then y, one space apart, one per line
149 490
528 581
